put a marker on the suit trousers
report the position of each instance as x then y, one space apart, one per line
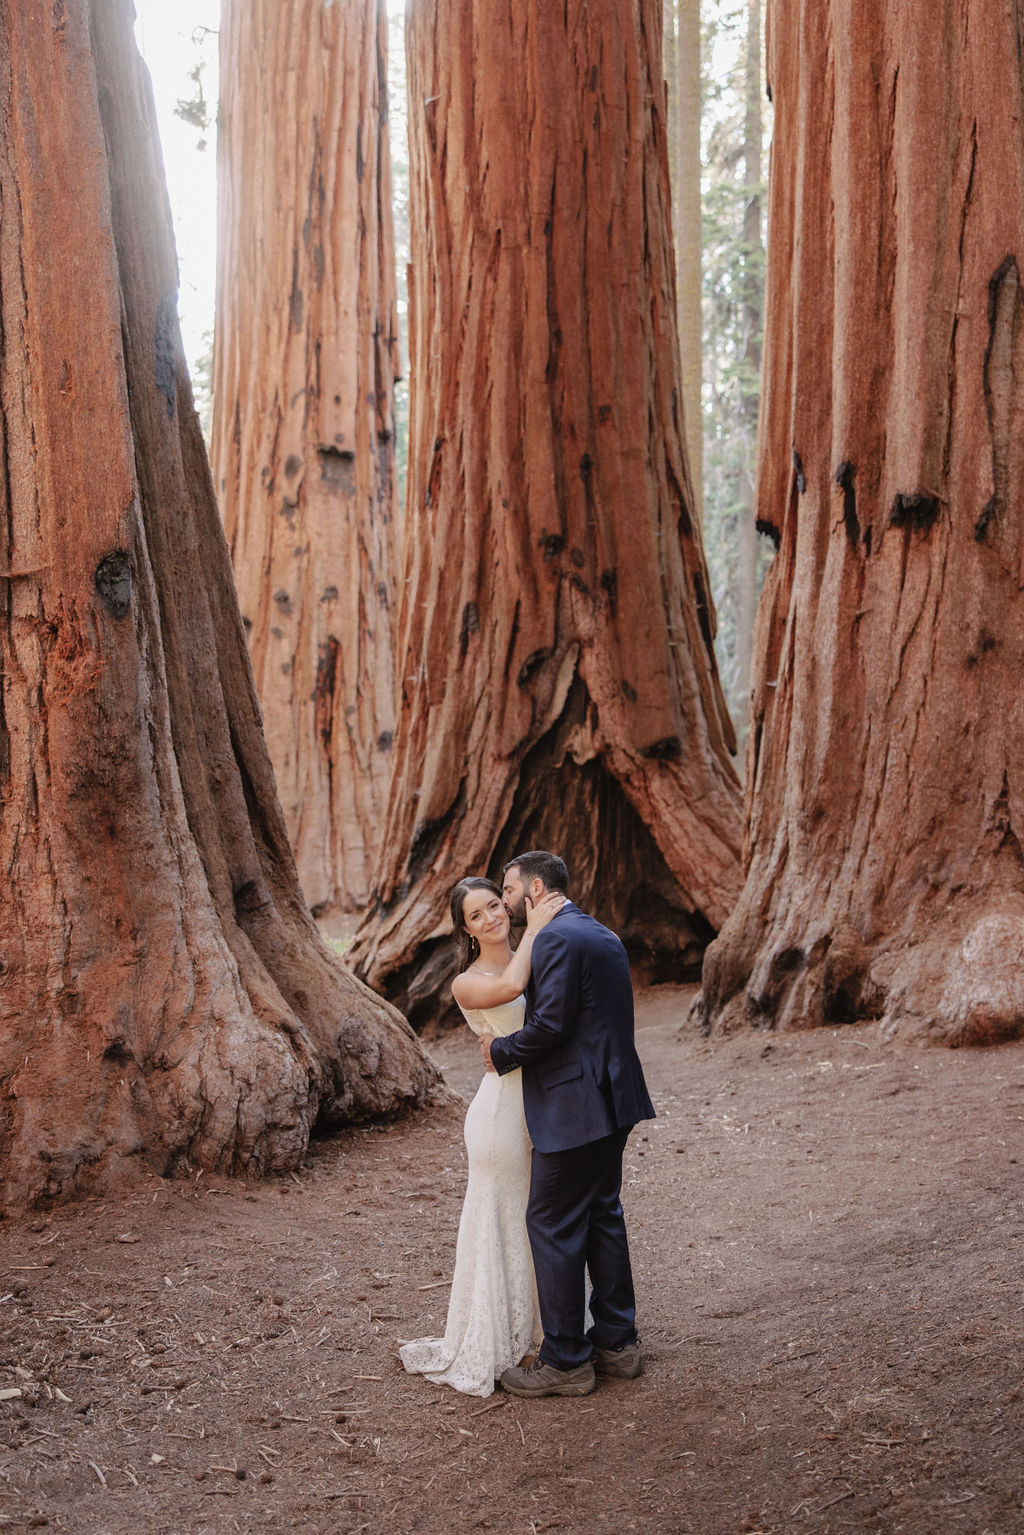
575 1223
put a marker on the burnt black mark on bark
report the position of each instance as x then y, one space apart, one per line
165 350
252 896
845 474
59 19
292 465
704 613
785 965
552 545
756 754
867 540
610 584
283 602
798 470
382 595
577 557
434 478
769 530
916 510
533 664
668 749
470 625
604 414
513 636
1001 381
385 740
337 468
118 1053
586 468
987 513
330 594
628 691
985 643
324 688
360 158
113 581
295 299
288 510
840 1004
428 836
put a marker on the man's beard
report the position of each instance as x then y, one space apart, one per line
517 916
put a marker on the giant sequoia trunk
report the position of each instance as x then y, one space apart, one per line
885 875
557 674
163 991
306 355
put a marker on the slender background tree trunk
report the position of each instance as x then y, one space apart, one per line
164 994
557 671
305 359
752 284
885 875
682 73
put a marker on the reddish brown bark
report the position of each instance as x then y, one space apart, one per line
306 355
163 991
558 681
884 870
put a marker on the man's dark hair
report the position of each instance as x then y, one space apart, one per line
547 867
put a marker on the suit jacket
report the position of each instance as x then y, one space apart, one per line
582 1078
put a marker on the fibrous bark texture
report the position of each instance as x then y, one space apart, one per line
163 992
884 870
305 360
557 678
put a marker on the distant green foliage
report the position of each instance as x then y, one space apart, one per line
202 386
195 109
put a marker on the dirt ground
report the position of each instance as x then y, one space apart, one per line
827 1236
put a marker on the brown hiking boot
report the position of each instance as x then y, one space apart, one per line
624 1363
544 1380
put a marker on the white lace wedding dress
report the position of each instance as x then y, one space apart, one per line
493 1318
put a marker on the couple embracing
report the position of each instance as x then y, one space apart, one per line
545 1135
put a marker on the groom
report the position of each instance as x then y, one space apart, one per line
583 1091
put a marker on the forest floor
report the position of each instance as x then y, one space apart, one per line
828 1239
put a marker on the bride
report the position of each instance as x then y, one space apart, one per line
493 1317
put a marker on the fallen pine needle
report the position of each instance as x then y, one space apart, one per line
843 1495
501 1402
98 1472
367 1377
438 1284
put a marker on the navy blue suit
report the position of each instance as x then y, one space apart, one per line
583 1091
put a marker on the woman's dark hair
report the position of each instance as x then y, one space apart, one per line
468 947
